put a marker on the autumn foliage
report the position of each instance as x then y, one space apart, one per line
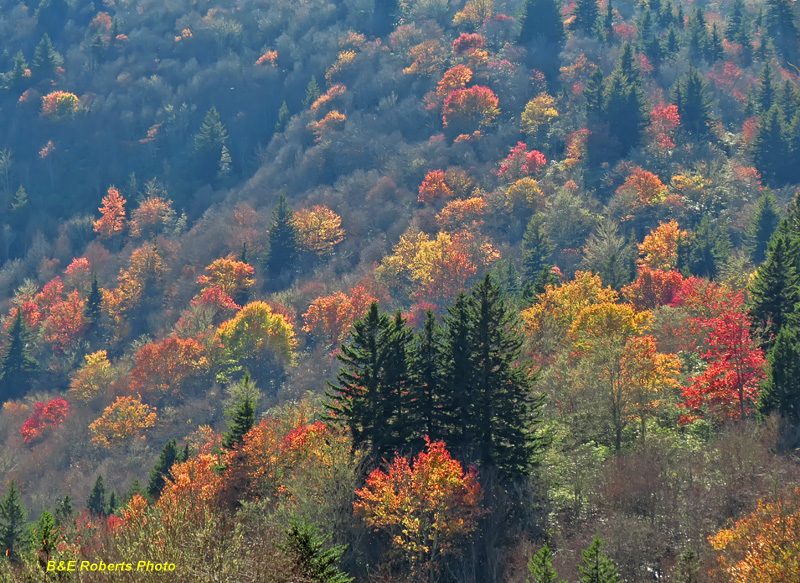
125 419
425 506
434 187
319 229
469 110
331 316
113 214
161 368
45 416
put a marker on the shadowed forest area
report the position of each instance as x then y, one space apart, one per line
349 291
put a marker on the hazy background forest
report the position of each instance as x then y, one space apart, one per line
415 290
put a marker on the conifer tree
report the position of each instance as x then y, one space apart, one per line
698 35
542 22
160 472
746 41
209 143
770 148
96 503
427 380
64 513
763 225
536 249
45 58
395 344
597 567
608 22
708 250
113 503
17 369
624 103
694 103
241 412
45 534
541 568
312 91
793 146
593 92
781 26
735 21
12 523
282 241
94 302
17 77
20 199
774 291
789 100
781 391
586 13
766 92
312 562
384 17
715 50
283 117
458 373
136 488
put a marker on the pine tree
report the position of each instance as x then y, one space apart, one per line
45 534
395 344
770 149
793 145
161 471
597 567
624 103
608 22
45 58
694 103
774 291
766 93
781 391
283 117
312 562
96 503
282 241
671 44
17 369
586 13
762 226
735 21
12 523
789 100
312 91
746 41
541 568
64 513
536 249
241 412
427 380
458 375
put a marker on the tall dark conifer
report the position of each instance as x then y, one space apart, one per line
763 225
241 413
12 523
427 380
282 241
161 471
781 391
586 13
17 369
96 503
774 290
694 103
770 148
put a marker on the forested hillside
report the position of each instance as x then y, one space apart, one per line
391 291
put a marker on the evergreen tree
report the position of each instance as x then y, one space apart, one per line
283 117
694 103
51 16
687 568
17 77
680 18
12 523
597 567
160 472
504 412
793 145
64 513
608 22
781 391
715 50
542 22
312 562
541 568
624 103
586 13
96 503
536 249
241 412
113 503
20 199
209 143
135 489
762 226
774 291
395 345
427 380
45 58
735 21
671 44
94 303
312 91
782 28
224 164
45 534
709 249
770 149
17 369
282 241
789 100
384 16
746 41
766 93
458 374
593 92
698 35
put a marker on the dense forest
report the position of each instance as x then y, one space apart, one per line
335 291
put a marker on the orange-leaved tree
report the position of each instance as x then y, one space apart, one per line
93 378
163 367
764 546
319 229
113 214
659 250
125 419
231 276
331 316
426 507
468 110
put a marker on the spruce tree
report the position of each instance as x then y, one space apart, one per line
94 303
746 41
17 369
766 92
735 21
160 472
96 503
208 145
282 241
311 560
12 523
762 226
694 103
774 291
135 489
283 117
241 412
715 50
541 568
698 35
586 13
624 103
113 503
312 91
17 76
427 380
536 249
45 534
781 27
781 391
593 92
709 249
793 146
597 567
542 22
458 375
770 148
45 58
395 346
